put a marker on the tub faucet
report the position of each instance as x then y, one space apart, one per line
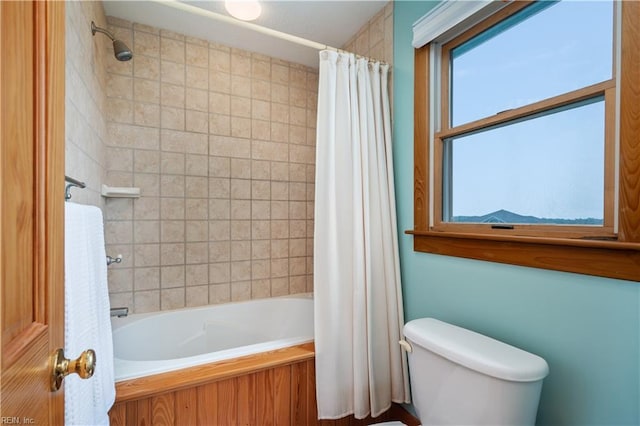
119 312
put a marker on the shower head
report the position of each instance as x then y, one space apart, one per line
120 50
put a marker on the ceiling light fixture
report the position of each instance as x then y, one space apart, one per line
245 10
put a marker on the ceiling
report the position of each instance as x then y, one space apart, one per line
330 22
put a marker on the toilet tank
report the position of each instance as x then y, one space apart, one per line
459 377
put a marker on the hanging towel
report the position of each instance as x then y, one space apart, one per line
87 319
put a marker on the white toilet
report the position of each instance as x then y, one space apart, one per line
459 377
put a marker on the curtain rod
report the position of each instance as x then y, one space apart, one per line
254 27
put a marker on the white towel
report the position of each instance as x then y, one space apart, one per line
87 318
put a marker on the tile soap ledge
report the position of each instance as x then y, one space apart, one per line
120 192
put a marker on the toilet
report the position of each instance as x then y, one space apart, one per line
459 377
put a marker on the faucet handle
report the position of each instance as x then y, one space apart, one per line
117 259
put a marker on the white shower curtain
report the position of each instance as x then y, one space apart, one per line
360 368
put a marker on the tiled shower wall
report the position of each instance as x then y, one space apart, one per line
85 100
222 144
375 38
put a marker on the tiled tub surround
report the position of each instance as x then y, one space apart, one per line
86 63
375 38
222 144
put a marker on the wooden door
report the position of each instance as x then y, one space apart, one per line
31 208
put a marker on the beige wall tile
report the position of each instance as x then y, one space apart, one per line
197 296
146 301
219 294
279 229
172 231
219 273
118 209
172 298
197 275
145 43
197 55
197 187
219 82
279 74
241 271
219 60
220 251
172 276
279 286
172 208
171 72
240 86
146 67
260 229
221 142
197 230
172 118
197 99
197 121
260 289
197 253
219 103
119 86
119 159
224 146
240 230
196 209
120 280
146 114
118 232
146 208
240 250
172 50
273 151
172 186
172 254
279 248
260 249
146 255
219 229
146 231
128 136
120 110
197 165
260 90
172 95
241 291
297 284
197 77
146 91
219 167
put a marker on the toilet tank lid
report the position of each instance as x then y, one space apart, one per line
476 351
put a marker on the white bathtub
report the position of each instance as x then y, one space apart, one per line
157 342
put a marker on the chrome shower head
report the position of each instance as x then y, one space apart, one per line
120 50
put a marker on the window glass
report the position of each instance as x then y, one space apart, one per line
546 169
546 49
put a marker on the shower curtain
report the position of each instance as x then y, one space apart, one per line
360 368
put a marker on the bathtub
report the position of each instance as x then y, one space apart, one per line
159 342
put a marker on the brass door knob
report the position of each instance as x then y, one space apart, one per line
83 366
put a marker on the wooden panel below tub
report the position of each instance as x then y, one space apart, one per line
274 388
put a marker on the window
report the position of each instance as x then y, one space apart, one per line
522 123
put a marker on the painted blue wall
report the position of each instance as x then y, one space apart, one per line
587 328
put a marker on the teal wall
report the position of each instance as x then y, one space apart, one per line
587 328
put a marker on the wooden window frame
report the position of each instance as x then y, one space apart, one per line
599 252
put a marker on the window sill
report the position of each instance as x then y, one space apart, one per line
611 259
